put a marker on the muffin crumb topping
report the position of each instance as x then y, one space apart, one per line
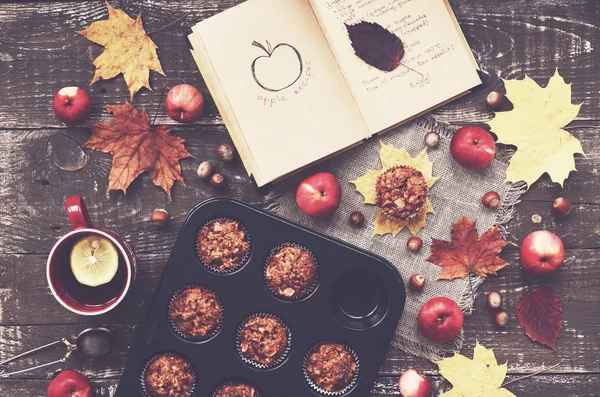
401 192
223 244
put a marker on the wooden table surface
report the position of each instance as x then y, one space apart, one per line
41 164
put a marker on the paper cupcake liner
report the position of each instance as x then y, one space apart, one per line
237 380
143 375
185 336
280 359
318 389
243 261
309 291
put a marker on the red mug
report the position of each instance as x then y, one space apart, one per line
79 298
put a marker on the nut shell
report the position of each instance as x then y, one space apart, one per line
561 206
226 152
494 300
491 200
414 244
357 219
494 100
218 181
501 319
205 170
416 282
159 217
432 139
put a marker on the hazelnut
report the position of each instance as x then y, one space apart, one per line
159 217
491 200
205 170
501 319
432 139
357 219
416 282
494 300
414 243
225 152
494 100
218 181
562 206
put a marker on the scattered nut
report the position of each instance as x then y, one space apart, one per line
357 219
226 152
416 282
159 217
562 206
502 319
494 100
491 200
536 218
414 243
218 181
205 170
494 300
432 139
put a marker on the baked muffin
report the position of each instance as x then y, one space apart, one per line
236 388
331 367
263 339
223 244
195 311
169 375
401 192
291 271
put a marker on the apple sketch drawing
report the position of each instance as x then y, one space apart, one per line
278 68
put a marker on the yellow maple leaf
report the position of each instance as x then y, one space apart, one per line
365 185
535 127
479 377
127 50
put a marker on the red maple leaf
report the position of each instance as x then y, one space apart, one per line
138 147
539 313
467 253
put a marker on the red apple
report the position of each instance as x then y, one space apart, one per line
413 383
319 194
440 319
70 384
542 252
72 105
472 147
185 103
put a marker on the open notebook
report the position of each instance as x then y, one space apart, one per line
292 91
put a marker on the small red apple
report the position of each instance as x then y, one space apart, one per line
185 103
319 194
413 383
70 384
472 147
72 105
440 319
542 252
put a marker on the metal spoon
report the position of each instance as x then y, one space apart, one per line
94 342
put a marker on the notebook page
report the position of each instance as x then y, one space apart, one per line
281 80
442 66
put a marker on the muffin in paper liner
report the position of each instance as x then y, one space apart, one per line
237 381
242 261
279 360
188 337
309 290
319 389
145 390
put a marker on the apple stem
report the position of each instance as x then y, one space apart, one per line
409 68
474 308
533 374
68 102
262 47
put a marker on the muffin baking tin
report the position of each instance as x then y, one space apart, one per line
358 302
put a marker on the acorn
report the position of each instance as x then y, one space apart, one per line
432 139
218 181
416 282
205 170
226 152
501 319
491 200
494 100
159 217
414 243
562 206
494 300
357 219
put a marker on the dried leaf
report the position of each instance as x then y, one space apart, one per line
138 147
479 377
365 185
127 50
468 253
539 313
535 126
376 45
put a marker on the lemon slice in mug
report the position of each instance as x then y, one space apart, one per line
94 261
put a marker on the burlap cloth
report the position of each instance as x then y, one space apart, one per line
458 192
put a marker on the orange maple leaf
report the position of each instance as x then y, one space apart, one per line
127 50
467 252
138 147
